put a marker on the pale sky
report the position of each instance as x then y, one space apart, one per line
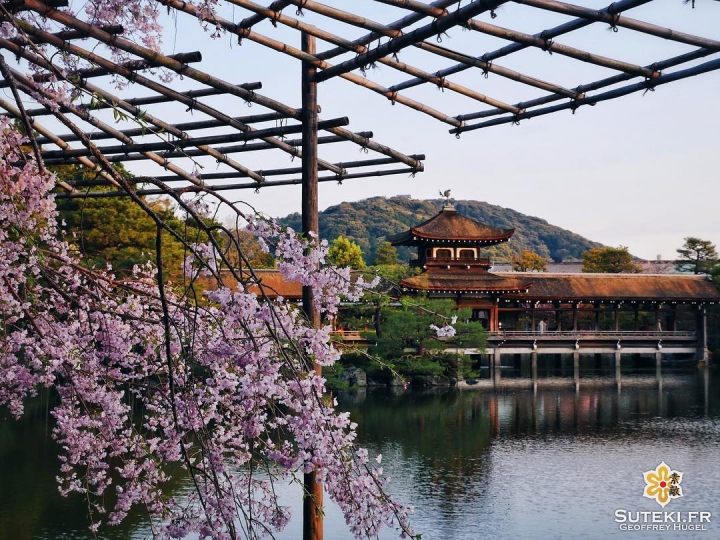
640 171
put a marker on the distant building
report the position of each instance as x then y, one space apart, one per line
663 306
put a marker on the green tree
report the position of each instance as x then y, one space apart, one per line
529 261
116 231
345 252
409 327
697 256
386 255
609 260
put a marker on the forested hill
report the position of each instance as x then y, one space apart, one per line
369 221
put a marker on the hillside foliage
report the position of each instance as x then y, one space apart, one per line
368 222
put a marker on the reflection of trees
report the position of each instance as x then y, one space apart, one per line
31 506
446 433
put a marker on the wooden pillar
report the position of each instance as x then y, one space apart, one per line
575 317
617 317
558 315
532 317
637 317
658 358
673 318
576 369
496 365
313 498
701 331
597 315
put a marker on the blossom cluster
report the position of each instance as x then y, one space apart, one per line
148 381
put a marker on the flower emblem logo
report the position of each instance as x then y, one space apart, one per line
663 484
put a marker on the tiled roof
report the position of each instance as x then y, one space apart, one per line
450 225
665 287
272 284
466 282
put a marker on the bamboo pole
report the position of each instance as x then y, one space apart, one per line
185 126
602 83
133 65
642 86
151 100
551 33
438 76
375 33
183 138
347 165
459 17
193 73
249 147
275 7
549 45
279 46
615 20
68 35
441 82
159 88
248 185
17 113
313 490
30 87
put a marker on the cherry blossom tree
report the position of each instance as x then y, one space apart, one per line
151 376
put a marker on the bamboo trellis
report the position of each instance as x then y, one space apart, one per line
340 33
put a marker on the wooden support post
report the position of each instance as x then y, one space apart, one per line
496 365
658 358
313 498
701 330
534 362
617 317
575 317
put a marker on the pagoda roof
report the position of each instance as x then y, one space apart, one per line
467 283
618 287
449 225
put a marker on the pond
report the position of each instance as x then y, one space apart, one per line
515 461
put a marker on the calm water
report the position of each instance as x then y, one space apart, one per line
508 462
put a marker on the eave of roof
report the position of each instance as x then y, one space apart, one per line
618 287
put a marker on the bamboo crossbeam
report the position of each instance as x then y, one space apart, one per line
376 30
152 100
194 74
469 61
281 47
642 86
490 67
30 87
360 49
615 20
183 137
161 89
460 16
191 142
597 85
235 149
270 183
14 112
134 65
550 33
185 126
68 35
417 7
549 45
265 173
251 21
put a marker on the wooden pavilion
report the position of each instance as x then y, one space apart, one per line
527 311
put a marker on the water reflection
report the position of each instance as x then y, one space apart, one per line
512 457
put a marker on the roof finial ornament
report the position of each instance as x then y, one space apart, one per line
448 204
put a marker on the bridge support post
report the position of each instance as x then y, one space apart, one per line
658 358
576 364
534 362
496 365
